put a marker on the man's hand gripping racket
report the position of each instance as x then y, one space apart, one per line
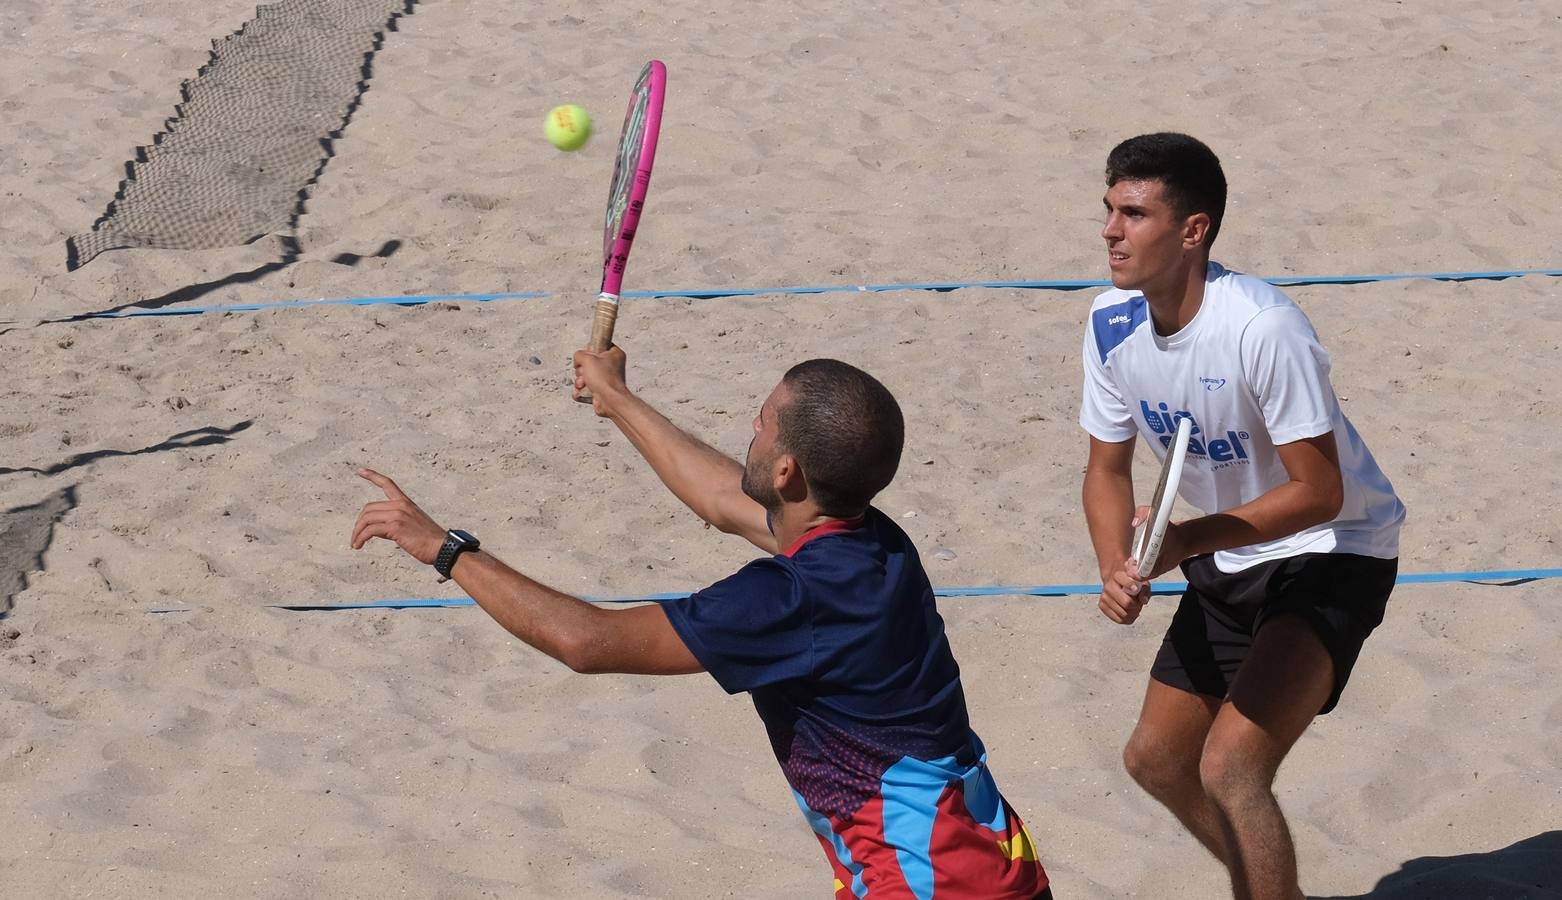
1127 590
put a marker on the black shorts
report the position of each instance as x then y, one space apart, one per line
1341 595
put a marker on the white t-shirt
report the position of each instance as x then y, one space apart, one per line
1251 373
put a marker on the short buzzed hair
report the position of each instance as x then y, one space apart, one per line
1189 170
845 430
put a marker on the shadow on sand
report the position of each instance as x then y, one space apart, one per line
1528 870
195 437
25 534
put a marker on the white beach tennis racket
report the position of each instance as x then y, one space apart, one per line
1152 531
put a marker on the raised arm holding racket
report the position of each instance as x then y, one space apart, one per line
1290 566
626 199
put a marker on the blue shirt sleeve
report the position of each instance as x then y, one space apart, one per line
749 630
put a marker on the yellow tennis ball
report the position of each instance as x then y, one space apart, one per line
568 127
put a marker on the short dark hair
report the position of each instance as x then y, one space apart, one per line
846 431
1189 170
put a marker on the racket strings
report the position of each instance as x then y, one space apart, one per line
625 167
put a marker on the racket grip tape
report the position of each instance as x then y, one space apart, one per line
603 319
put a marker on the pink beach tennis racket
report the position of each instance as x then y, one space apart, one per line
626 197
1152 531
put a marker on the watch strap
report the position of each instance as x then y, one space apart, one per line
456 543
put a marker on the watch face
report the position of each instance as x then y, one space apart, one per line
463 536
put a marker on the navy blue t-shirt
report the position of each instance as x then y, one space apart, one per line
840 643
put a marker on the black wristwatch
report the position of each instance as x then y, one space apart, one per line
456 543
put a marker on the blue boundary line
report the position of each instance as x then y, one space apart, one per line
410 300
945 287
712 294
1502 577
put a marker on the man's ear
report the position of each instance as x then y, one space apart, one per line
788 478
1195 230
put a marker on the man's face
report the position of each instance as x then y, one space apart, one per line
759 468
1145 238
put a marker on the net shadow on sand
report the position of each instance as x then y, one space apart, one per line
253 133
205 436
195 291
27 531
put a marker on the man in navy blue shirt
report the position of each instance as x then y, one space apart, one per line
836 636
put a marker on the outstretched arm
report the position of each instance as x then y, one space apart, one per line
707 481
584 637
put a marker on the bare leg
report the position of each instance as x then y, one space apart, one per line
1163 757
1276 694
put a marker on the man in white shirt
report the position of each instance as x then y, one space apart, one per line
1291 567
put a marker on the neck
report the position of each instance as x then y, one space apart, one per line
793 521
1176 299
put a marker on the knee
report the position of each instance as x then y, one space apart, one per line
1157 768
1230 781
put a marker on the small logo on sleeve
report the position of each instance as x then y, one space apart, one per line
1114 324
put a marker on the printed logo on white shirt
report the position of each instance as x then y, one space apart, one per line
1223 450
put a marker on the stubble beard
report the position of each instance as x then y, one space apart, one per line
757 484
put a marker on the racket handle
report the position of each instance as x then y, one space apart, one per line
1152 554
602 321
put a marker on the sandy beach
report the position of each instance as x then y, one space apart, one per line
167 482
